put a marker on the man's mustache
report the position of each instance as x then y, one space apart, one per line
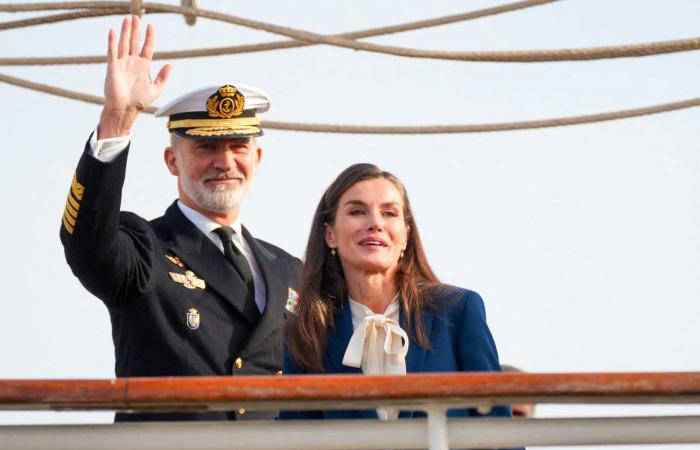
223 176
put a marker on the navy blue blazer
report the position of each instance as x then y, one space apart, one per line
460 341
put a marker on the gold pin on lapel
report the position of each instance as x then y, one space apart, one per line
292 300
175 260
192 318
188 280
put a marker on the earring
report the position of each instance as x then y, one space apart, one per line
332 251
401 255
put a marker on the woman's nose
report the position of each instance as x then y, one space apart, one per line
375 222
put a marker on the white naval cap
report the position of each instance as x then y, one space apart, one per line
217 112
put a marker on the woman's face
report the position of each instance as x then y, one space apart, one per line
370 229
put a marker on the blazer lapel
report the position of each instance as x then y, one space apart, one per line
337 343
277 287
415 358
201 256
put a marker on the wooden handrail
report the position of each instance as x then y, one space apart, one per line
315 391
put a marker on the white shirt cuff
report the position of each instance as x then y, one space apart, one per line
106 150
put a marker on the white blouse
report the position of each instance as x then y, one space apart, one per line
378 344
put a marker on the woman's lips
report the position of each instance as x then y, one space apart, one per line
373 242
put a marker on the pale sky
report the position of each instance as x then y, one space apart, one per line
583 241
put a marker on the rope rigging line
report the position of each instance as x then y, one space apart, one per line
409 26
433 129
552 55
218 51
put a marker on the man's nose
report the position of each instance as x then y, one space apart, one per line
225 160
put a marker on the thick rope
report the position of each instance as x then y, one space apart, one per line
53 6
218 51
43 20
635 50
189 20
136 8
391 29
432 129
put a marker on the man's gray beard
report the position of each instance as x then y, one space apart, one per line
221 200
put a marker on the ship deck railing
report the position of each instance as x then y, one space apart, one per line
433 393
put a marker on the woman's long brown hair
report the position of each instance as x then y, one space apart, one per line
322 285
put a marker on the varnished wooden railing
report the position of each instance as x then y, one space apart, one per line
433 393
314 391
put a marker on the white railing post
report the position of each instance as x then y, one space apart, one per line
437 428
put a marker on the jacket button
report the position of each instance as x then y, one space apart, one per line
241 411
238 364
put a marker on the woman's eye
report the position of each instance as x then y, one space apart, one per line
391 213
356 212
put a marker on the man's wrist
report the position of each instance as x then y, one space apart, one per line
115 123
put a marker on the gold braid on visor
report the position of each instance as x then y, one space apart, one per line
213 123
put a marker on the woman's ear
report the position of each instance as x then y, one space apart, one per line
330 236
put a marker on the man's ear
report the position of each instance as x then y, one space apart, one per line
170 160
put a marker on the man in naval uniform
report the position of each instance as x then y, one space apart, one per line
191 292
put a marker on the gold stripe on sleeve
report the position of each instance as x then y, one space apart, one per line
73 202
77 188
70 210
68 218
69 228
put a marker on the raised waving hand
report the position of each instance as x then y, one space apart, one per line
129 88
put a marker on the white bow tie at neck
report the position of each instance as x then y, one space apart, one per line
379 346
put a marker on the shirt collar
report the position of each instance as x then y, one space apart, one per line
205 224
359 311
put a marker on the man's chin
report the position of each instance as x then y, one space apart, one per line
220 206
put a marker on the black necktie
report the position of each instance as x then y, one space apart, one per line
237 259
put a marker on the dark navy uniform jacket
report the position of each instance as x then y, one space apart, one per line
176 304
459 338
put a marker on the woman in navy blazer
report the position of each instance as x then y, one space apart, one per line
369 301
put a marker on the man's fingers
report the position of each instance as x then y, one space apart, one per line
162 76
147 50
135 36
111 46
124 37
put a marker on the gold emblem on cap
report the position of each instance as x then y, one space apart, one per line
227 102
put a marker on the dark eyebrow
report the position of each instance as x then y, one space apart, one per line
361 203
354 202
